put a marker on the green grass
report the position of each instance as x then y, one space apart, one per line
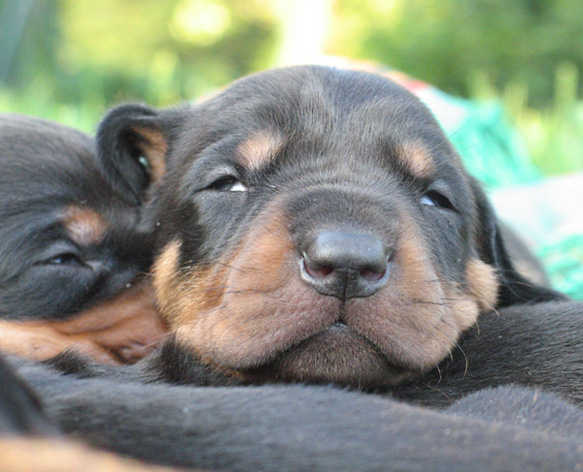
553 136
37 100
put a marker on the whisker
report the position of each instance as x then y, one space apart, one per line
426 302
230 266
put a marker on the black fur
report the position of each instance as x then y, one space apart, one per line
525 345
309 428
121 147
530 345
134 410
515 288
45 169
20 409
528 408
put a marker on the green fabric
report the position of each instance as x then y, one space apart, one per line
494 153
492 149
564 262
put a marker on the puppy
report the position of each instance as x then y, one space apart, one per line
315 225
70 243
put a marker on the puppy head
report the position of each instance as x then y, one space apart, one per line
68 238
316 225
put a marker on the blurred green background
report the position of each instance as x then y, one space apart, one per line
70 60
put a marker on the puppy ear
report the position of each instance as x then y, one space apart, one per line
131 148
513 287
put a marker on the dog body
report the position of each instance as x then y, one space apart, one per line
69 244
30 442
313 428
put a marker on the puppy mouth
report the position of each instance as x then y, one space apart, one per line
337 354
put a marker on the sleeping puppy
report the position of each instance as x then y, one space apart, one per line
315 225
70 243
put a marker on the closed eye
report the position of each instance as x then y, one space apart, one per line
228 184
436 199
66 259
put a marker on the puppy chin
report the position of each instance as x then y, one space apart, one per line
337 355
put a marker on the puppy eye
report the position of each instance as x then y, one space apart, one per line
228 184
436 199
66 259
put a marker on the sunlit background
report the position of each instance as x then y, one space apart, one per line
70 59
517 64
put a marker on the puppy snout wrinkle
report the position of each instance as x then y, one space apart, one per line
345 264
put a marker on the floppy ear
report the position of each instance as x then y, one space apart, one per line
514 288
131 148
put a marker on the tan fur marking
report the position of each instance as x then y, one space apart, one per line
242 309
183 295
84 225
259 149
121 330
483 283
165 272
428 317
417 318
251 306
154 147
246 311
59 455
417 160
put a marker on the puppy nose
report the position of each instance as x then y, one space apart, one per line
345 264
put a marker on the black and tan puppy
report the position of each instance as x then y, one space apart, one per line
69 244
315 224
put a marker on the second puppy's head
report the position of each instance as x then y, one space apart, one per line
68 238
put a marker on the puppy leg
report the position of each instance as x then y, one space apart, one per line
290 428
525 407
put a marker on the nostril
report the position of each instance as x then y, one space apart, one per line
372 275
377 270
317 272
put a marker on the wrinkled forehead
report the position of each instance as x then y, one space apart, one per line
323 111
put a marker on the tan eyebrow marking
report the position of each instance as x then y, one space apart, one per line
416 158
84 225
259 149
